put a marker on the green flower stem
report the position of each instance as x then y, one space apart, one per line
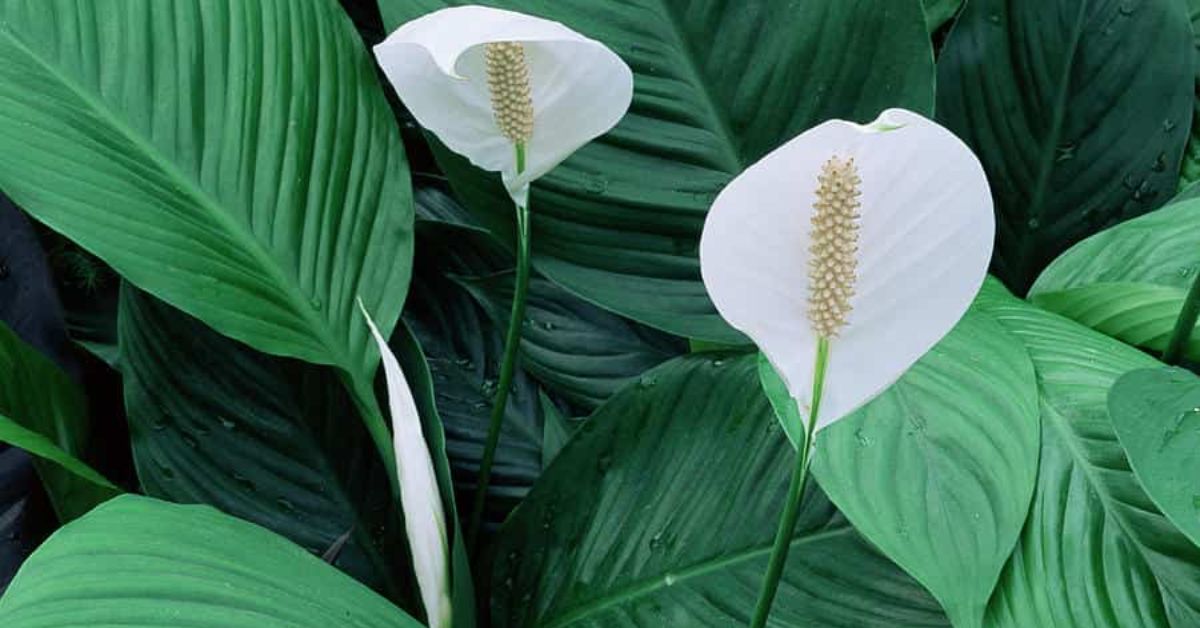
508 364
791 509
1182 334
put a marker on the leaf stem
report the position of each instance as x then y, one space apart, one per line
791 509
508 364
1182 334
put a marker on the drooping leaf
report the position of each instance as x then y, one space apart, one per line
937 472
41 408
237 160
269 440
1156 413
578 350
140 562
606 229
1075 132
662 512
1129 282
1095 550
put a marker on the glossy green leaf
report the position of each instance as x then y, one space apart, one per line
1078 110
266 439
577 350
43 410
718 84
140 562
1156 414
1129 282
236 159
616 533
1095 550
937 472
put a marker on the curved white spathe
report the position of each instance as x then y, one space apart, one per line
420 499
925 240
580 88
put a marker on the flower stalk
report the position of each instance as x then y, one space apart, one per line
1181 335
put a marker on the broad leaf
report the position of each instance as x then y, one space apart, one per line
1189 171
1058 100
1129 282
138 561
42 409
269 440
237 160
1156 413
579 351
937 472
1095 550
718 84
662 511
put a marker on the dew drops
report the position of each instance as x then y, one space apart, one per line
648 381
227 424
190 441
1065 152
596 185
1168 125
1160 163
1033 223
862 438
316 303
244 482
994 18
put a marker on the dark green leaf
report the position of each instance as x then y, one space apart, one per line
938 12
718 84
1078 110
662 512
1189 171
141 562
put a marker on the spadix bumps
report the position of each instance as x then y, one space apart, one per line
875 237
485 80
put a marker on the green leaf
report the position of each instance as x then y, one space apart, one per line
140 562
939 12
718 84
1189 171
577 350
42 410
237 160
781 400
262 438
1129 282
1075 131
662 510
1154 412
556 431
937 472
1095 550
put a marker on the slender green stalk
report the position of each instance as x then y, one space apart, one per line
508 364
1182 334
791 509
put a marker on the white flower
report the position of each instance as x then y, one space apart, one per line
485 80
875 237
420 499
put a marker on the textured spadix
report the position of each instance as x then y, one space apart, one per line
896 277
439 65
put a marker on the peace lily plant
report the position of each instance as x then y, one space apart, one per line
845 255
514 94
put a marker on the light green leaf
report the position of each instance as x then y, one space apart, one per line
235 159
662 510
1095 550
43 411
1075 131
718 84
140 562
263 438
1156 413
785 407
937 472
1129 282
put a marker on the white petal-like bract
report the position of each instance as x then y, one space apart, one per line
420 499
580 88
925 235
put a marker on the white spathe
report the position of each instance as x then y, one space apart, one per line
925 240
580 88
420 499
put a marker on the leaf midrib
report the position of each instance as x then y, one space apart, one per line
187 187
646 586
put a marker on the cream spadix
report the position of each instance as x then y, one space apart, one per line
486 80
420 499
876 237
